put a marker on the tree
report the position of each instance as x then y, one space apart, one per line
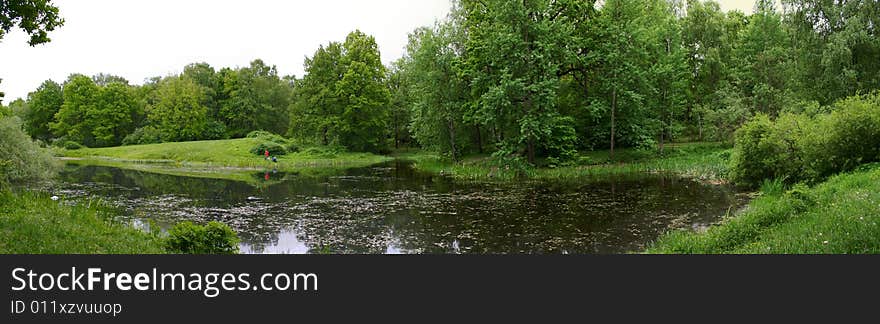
343 98
400 88
762 56
44 103
178 112
617 58
255 98
72 121
315 113
363 95
35 17
515 53
441 95
114 115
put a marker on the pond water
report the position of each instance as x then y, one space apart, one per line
391 208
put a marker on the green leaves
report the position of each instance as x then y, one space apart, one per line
343 99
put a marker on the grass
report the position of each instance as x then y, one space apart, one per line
222 156
33 223
706 161
839 216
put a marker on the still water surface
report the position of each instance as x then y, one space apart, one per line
391 208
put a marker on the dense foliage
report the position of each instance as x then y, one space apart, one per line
800 147
211 238
20 157
532 82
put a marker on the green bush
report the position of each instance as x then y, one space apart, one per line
267 136
71 145
143 135
798 147
20 157
212 238
274 149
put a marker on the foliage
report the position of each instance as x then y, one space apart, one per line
838 216
178 113
143 135
71 145
804 148
211 238
35 17
44 103
20 157
343 98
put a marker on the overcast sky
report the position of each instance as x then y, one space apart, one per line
142 39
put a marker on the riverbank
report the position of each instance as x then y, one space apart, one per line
33 223
219 154
839 216
702 161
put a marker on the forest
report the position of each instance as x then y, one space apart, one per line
528 81
783 103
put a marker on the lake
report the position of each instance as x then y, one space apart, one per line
391 208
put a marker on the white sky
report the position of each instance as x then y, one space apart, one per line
141 39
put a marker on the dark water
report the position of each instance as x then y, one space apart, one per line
391 208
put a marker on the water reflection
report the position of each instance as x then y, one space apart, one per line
391 208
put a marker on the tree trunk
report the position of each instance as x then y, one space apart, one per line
451 126
530 149
613 112
479 140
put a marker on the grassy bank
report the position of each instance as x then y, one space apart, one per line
841 215
33 223
706 161
234 153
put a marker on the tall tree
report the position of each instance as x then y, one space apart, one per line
515 53
114 115
343 98
44 103
178 112
619 38
72 120
441 94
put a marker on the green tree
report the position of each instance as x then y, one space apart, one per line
617 59
762 55
72 121
255 98
114 115
441 95
343 98
316 111
515 54
35 17
178 112
44 103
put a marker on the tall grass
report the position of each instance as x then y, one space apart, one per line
707 161
839 216
33 223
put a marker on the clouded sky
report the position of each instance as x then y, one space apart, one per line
142 39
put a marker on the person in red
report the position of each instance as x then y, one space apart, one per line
266 154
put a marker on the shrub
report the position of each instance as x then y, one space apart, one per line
20 157
143 135
71 145
212 238
267 136
802 148
274 149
